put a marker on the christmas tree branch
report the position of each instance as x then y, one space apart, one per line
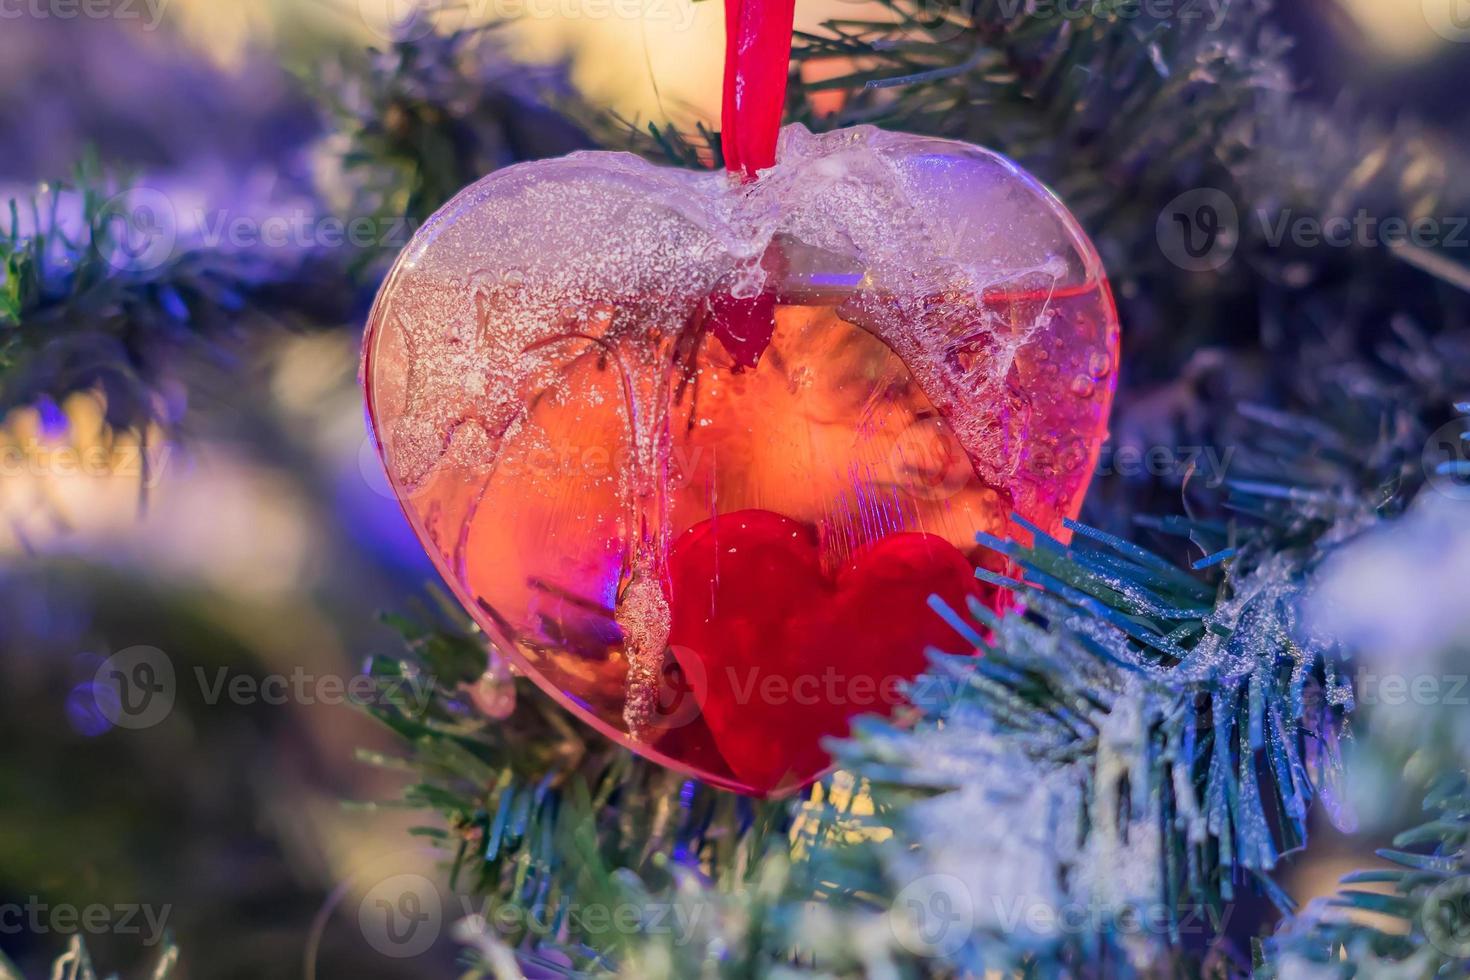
98 293
76 964
528 795
1428 903
415 122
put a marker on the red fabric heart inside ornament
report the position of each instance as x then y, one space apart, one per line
780 653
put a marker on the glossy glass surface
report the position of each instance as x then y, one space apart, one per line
714 545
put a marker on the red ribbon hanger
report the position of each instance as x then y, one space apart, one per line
757 60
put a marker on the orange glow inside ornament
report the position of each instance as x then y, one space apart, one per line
695 451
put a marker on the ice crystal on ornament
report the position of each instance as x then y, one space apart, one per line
696 452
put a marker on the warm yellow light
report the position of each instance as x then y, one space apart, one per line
200 514
1410 30
646 59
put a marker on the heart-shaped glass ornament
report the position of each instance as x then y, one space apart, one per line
696 452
